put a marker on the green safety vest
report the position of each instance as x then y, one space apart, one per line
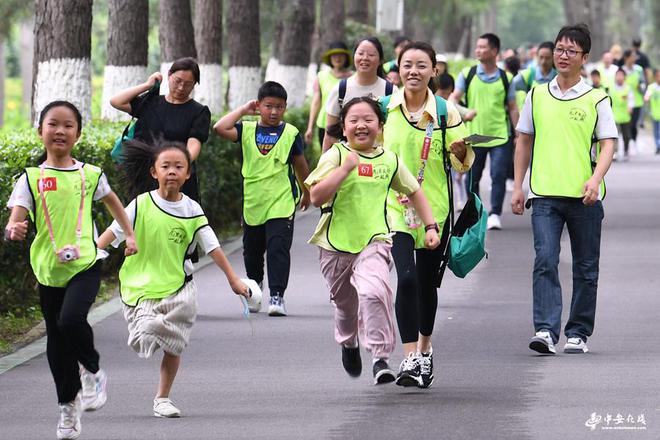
358 211
562 149
62 194
406 140
633 79
529 78
270 188
327 81
492 116
156 271
620 104
654 102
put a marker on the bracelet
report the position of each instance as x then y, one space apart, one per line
432 226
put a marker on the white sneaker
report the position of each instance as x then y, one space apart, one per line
494 222
575 346
276 306
95 390
542 343
163 407
69 428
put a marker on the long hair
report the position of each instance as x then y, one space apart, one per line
137 159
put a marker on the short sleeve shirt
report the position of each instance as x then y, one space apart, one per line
267 137
173 122
354 90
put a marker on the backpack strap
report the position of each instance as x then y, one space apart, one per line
342 92
389 87
505 83
468 80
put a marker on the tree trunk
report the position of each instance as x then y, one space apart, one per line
278 34
358 10
208 40
244 51
2 80
26 55
176 35
594 13
329 28
63 35
295 50
128 47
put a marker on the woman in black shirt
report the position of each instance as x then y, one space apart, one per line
172 117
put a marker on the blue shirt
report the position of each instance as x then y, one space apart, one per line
518 83
267 137
485 77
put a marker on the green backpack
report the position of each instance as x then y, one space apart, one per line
129 130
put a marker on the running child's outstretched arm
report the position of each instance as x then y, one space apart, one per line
421 204
114 206
235 282
17 226
226 126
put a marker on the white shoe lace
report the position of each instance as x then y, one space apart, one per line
68 416
88 385
425 365
409 363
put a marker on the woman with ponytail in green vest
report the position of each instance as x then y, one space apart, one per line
156 286
355 240
338 57
422 130
57 195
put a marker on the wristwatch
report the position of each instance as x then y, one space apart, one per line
432 226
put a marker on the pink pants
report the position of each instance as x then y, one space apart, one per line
360 290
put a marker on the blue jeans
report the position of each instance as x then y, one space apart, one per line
499 166
584 226
656 135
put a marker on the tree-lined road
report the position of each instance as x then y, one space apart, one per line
286 380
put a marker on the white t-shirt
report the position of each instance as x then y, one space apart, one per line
22 196
354 90
186 207
605 125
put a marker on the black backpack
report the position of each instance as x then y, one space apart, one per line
389 87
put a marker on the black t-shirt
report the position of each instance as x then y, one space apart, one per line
267 137
174 122
643 60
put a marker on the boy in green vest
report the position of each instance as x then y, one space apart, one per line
486 89
653 98
557 125
273 168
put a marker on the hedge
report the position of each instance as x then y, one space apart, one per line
220 187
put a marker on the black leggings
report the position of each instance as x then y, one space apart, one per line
68 334
634 120
417 283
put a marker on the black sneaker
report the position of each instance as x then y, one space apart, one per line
426 370
382 372
350 359
409 372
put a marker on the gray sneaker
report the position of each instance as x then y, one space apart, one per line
409 372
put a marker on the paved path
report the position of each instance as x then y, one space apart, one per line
286 380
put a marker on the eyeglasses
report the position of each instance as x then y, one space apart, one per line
178 82
569 52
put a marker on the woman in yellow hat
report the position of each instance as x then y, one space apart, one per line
338 57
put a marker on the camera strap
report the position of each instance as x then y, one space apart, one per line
49 224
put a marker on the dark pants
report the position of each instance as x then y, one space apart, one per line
499 167
634 120
549 215
69 336
273 238
625 130
417 285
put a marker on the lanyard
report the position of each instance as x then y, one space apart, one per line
426 147
40 189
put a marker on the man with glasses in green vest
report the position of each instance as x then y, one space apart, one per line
487 90
558 125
